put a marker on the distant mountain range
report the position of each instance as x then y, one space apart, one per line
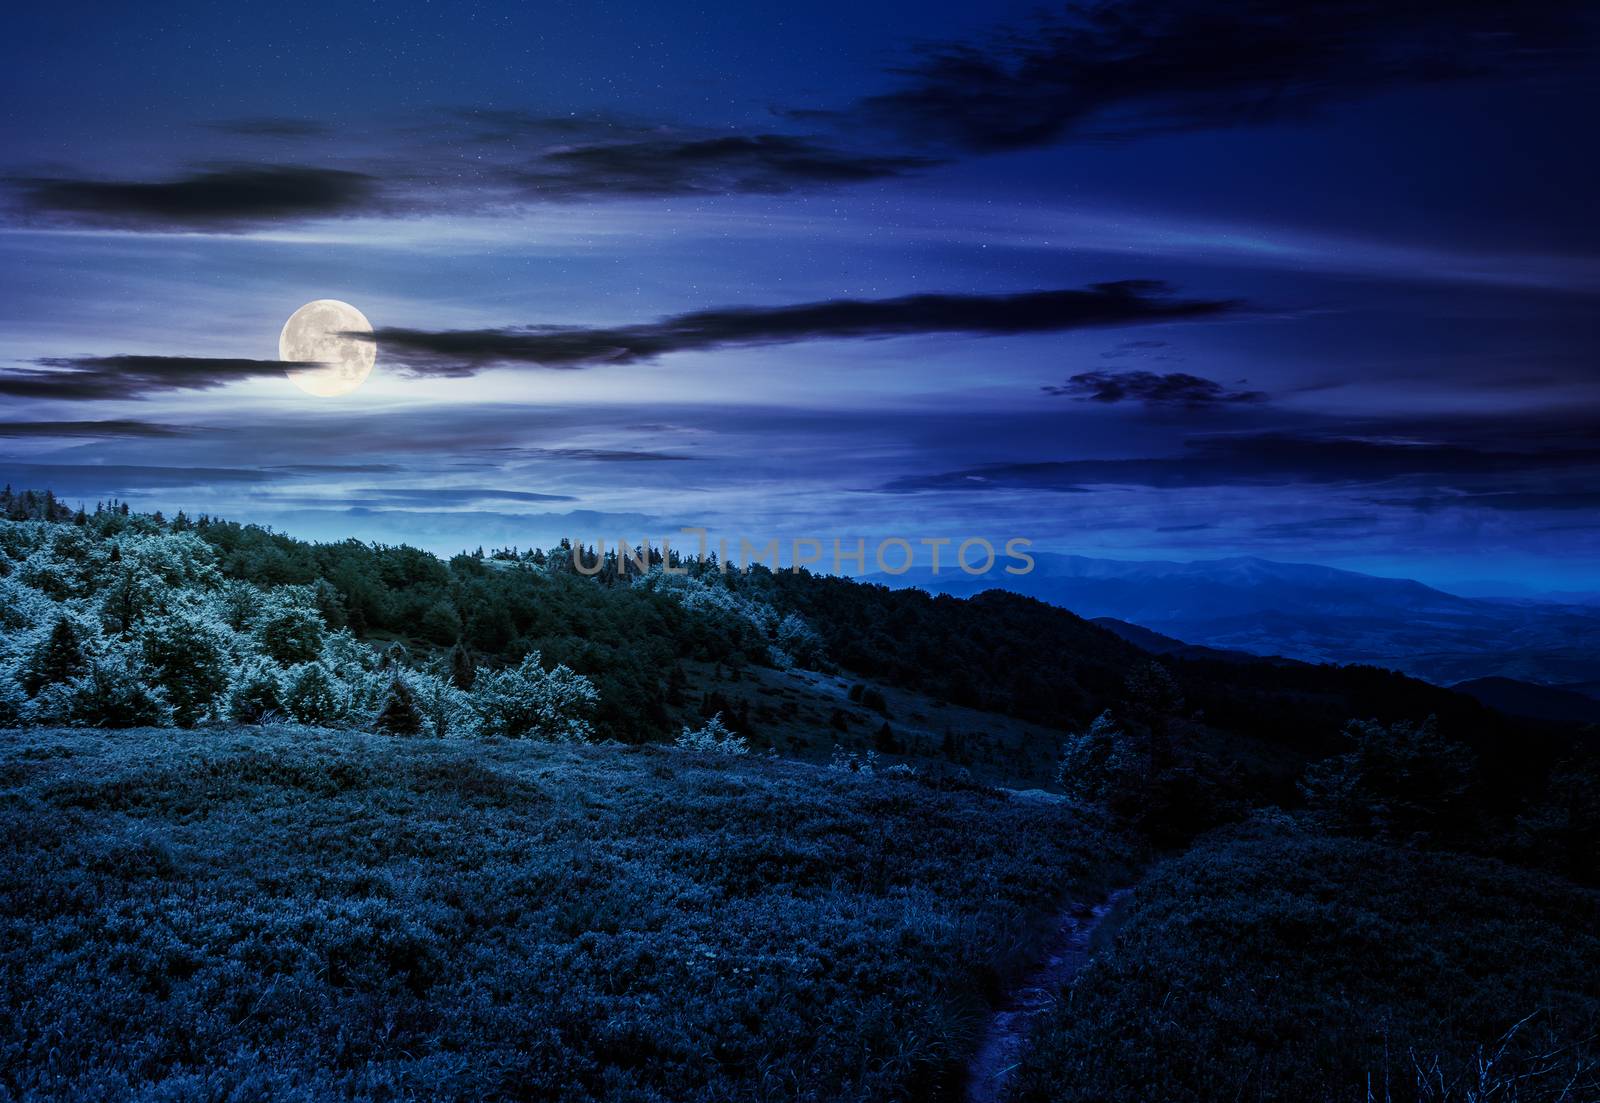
1309 613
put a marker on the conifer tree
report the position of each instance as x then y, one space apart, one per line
399 715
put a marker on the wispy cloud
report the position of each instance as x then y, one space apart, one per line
272 126
1126 68
716 165
1272 459
132 376
1152 389
465 352
1104 69
92 429
216 199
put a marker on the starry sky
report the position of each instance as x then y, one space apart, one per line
1143 279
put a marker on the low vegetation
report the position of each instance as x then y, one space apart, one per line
1275 962
287 911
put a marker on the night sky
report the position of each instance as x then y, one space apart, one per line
1315 282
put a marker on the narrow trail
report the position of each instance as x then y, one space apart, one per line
991 1068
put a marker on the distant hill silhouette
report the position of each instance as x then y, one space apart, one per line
1516 698
1311 613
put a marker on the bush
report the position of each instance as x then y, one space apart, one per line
256 692
1105 765
13 700
713 737
528 702
312 695
443 709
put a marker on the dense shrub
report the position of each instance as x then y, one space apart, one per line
528 702
291 632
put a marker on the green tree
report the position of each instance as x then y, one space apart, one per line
62 656
399 715
440 623
1399 780
1105 765
463 670
190 661
291 633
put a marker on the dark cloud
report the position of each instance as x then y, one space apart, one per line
115 428
1121 68
122 377
463 352
272 127
217 199
1269 459
1152 389
716 165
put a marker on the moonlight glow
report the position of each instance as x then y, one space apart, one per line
321 331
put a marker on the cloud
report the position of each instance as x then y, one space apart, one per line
1152 389
1269 459
117 479
1125 68
272 126
114 428
446 495
1137 348
598 455
1105 69
464 352
219 199
716 165
131 376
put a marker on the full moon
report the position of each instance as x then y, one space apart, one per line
321 332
